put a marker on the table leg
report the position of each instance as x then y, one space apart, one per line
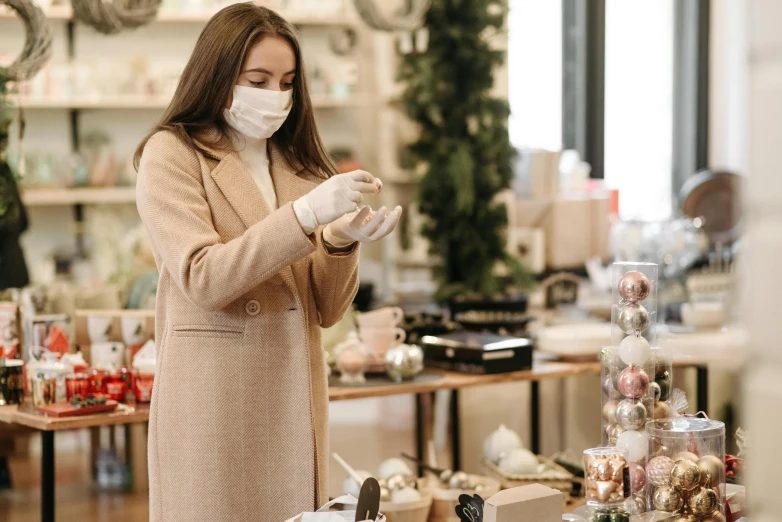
5 474
419 431
456 437
703 389
136 455
47 476
534 414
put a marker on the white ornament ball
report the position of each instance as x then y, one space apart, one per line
351 487
405 494
393 466
501 442
634 350
519 462
635 443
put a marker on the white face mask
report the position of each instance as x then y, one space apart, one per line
258 113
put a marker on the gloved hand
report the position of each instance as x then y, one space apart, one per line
340 194
359 226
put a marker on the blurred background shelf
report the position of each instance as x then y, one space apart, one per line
159 103
64 12
75 196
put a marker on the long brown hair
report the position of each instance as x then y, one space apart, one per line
209 78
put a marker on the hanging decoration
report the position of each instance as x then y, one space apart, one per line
37 41
374 17
115 16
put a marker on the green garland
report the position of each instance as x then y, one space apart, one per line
463 150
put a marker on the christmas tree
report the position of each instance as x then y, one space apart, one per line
463 150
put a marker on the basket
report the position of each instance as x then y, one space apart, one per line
553 476
445 500
417 511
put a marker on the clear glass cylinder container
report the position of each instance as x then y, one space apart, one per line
606 476
685 474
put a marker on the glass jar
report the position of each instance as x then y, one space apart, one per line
686 468
606 476
77 384
115 386
144 383
97 381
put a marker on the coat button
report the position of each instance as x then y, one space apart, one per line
252 307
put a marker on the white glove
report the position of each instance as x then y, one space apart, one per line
361 226
339 195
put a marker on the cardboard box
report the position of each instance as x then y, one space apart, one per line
536 173
576 227
533 503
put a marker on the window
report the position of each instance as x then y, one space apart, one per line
639 69
535 73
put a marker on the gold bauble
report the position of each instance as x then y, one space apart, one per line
667 499
685 475
712 470
686 455
683 518
715 517
703 501
661 410
609 411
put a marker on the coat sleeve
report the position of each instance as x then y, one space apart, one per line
334 281
172 204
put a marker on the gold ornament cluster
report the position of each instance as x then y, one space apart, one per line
605 476
690 490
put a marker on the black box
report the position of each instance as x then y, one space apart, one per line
479 353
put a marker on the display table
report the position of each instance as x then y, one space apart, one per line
136 417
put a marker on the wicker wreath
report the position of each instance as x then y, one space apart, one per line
37 41
376 19
111 17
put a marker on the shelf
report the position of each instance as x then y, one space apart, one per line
74 196
64 12
158 103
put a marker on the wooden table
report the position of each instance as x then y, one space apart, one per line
453 381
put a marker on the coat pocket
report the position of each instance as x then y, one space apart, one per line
209 330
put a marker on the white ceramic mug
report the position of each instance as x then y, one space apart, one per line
380 340
99 328
133 330
388 317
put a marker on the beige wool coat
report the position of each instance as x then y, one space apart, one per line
238 422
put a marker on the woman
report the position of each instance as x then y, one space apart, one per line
254 236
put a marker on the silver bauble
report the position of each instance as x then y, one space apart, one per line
404 361
396 482
460 480
633 318
635 505
630 414
654 390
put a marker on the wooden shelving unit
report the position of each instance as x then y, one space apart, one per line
79 196
65 13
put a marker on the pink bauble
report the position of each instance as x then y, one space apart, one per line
634 286
637 477
658 471
633 382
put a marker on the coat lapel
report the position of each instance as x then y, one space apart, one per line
237 185
289 183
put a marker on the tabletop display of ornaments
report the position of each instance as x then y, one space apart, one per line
607 477
637 378
503 448
686 472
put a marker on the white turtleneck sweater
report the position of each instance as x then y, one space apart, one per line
255 157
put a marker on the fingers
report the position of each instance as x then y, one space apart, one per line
366 188
389 224
361 175
368 229
360 217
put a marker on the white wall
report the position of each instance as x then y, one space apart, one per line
764 236
728 86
